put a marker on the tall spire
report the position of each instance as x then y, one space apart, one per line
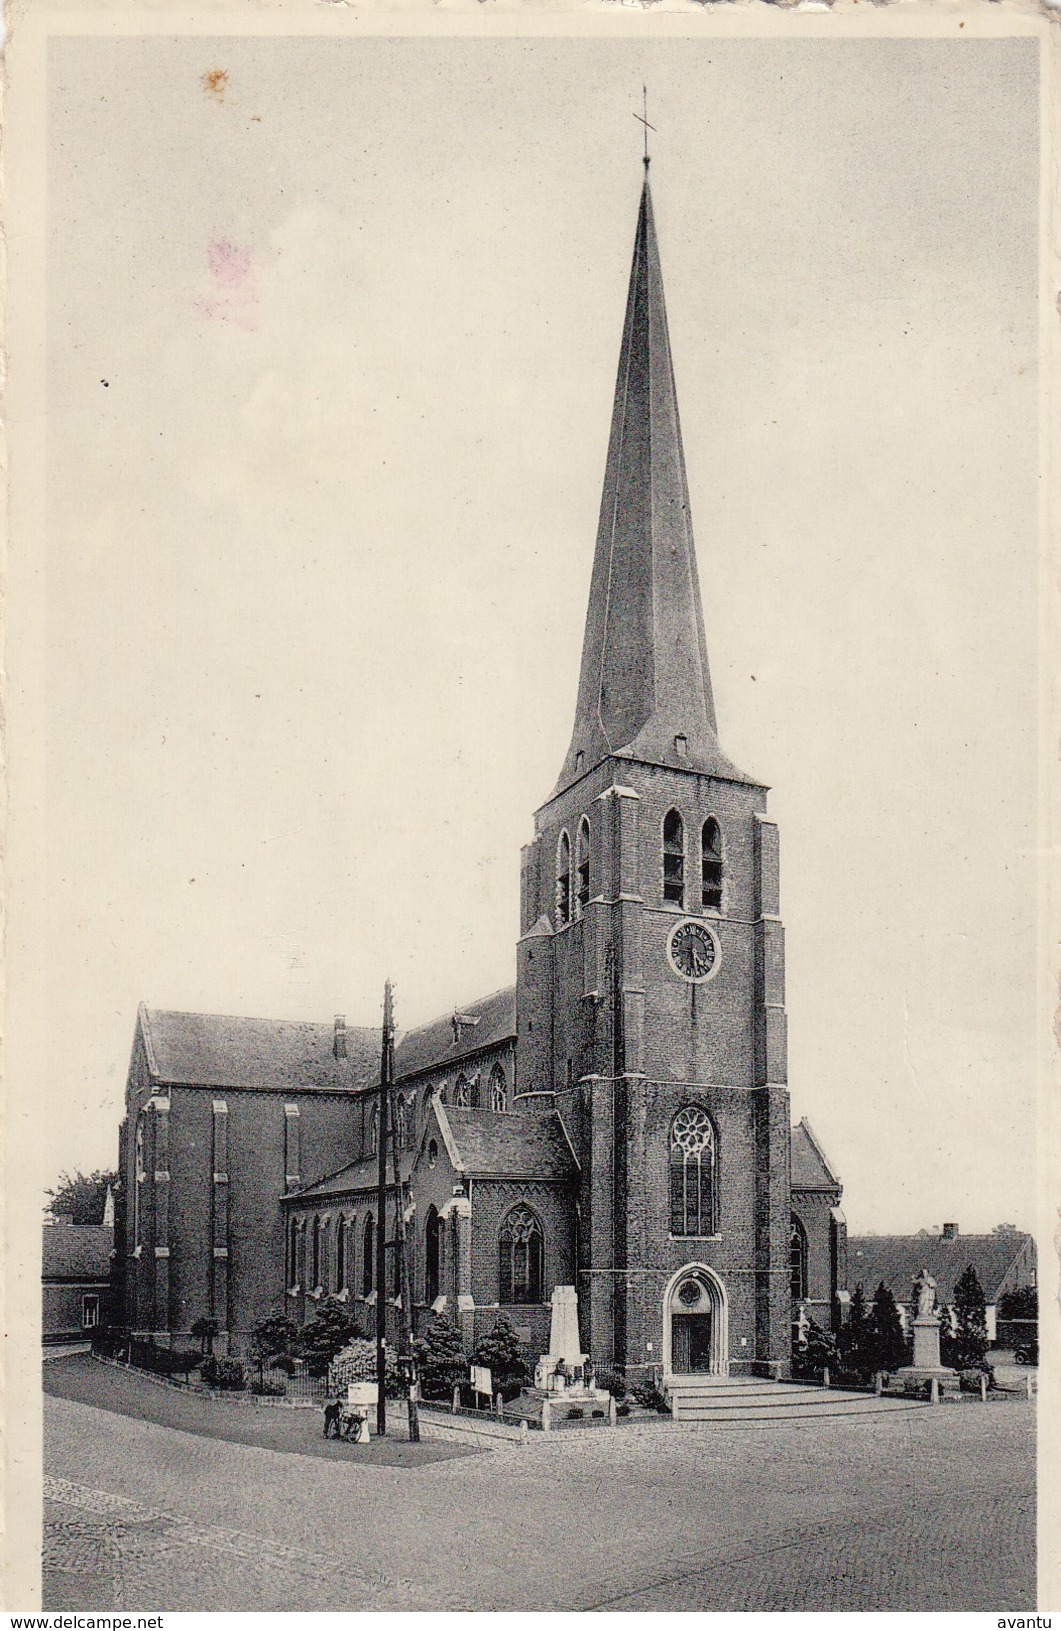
645 688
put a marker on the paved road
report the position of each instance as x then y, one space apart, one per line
836 1514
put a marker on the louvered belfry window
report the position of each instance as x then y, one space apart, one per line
712 865
563 881
673 858
582 872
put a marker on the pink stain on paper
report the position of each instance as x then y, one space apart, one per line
231 296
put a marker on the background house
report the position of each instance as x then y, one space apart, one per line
1004 1261
75 1276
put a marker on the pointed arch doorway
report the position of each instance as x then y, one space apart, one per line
695 1324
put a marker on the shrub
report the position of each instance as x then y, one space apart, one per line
814 1353
500 1351
266 1387
622 1409
325 1335
575 1413
226 1375
649 1397
441 1359
184 1360
357 1363
612 1383
276 1339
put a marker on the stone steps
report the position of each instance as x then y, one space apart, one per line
736 1401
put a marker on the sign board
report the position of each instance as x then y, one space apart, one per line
482 1381
361 1393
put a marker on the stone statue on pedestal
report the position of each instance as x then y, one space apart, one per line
925 1294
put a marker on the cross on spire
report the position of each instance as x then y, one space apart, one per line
642 119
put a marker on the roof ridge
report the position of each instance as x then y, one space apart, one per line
468 1007
260 1019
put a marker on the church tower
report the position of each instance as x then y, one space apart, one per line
650 987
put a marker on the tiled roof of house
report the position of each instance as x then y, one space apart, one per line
898 1259
281 1055
516 1146
76 1251
810 1168
357 1176
433 1045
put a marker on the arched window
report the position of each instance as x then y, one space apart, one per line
673 858
300 1269
292 1253
462 1093
316 1256
563 880
521 1257
401 1122
340 1254
498 1089
373 1128
138 1180
798 1260
432 1255
582 872
692 1173
712 864
368 1261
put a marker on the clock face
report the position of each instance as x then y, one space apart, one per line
694 951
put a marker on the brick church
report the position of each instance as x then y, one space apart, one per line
618 1120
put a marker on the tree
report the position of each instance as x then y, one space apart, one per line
970 1336
1019 1305
886 1341
80 1197
329 1330
500 1351
440 1358
204 1331
853 1339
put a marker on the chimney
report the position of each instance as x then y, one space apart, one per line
950 1231
339 1044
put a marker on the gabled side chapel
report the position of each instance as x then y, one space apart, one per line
619 1120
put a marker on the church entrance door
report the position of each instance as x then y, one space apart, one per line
691 1343
695 1324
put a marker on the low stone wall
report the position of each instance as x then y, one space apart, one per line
225 1396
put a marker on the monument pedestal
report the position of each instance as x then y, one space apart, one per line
926 1367
563 1378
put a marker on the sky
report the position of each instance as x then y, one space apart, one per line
332 336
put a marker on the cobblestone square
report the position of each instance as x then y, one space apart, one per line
828 1515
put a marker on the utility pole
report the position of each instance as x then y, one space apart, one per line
386 1075
405 1290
